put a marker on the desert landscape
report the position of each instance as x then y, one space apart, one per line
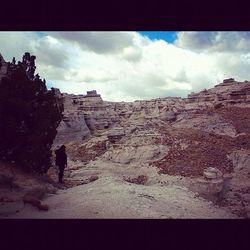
163 158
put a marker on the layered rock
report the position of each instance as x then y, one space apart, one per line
83 115
73 126
87 113
167 137
229 91
116 134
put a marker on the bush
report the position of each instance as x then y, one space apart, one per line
29 116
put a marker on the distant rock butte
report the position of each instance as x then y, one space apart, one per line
85 114
198 138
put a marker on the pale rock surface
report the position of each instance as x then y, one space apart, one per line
145 144
113 198
208 123
212 173
73 126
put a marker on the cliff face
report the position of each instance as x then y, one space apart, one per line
170 130
29 115
82 116
73 126
229 91
169 136
158 158
86 114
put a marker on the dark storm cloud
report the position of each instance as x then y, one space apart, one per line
214 41
99 42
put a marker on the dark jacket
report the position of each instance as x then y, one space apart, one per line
61 157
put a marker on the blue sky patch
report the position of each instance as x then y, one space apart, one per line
168 36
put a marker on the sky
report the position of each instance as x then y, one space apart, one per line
128 66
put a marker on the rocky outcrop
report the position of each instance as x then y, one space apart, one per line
168 116
116 134
29 115
83 114
73 126
212 173
229 91
172 141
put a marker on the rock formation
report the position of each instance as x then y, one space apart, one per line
189 155
72 126
229 91
191 137
83 115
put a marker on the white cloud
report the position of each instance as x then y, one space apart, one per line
50 51
125 66
15 44
214 41
99 42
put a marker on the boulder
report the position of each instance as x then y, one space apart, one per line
212 185
116 134
209 188
217 105
212 173
168 116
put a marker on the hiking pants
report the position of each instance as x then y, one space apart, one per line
60 174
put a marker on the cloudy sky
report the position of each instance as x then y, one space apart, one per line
127 66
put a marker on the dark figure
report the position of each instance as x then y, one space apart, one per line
61 161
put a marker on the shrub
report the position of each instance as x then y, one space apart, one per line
29 115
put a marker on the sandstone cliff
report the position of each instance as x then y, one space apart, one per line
160 158
172 136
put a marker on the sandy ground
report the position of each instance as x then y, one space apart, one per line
109 197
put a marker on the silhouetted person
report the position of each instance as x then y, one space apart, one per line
61 161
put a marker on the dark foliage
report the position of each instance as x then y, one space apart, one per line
29 116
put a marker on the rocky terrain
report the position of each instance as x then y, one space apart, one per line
161 158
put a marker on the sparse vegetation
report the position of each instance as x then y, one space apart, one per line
29 115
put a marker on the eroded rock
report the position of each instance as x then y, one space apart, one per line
168 116
212 173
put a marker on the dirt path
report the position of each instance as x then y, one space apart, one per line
113 198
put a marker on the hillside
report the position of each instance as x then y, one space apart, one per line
161 158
